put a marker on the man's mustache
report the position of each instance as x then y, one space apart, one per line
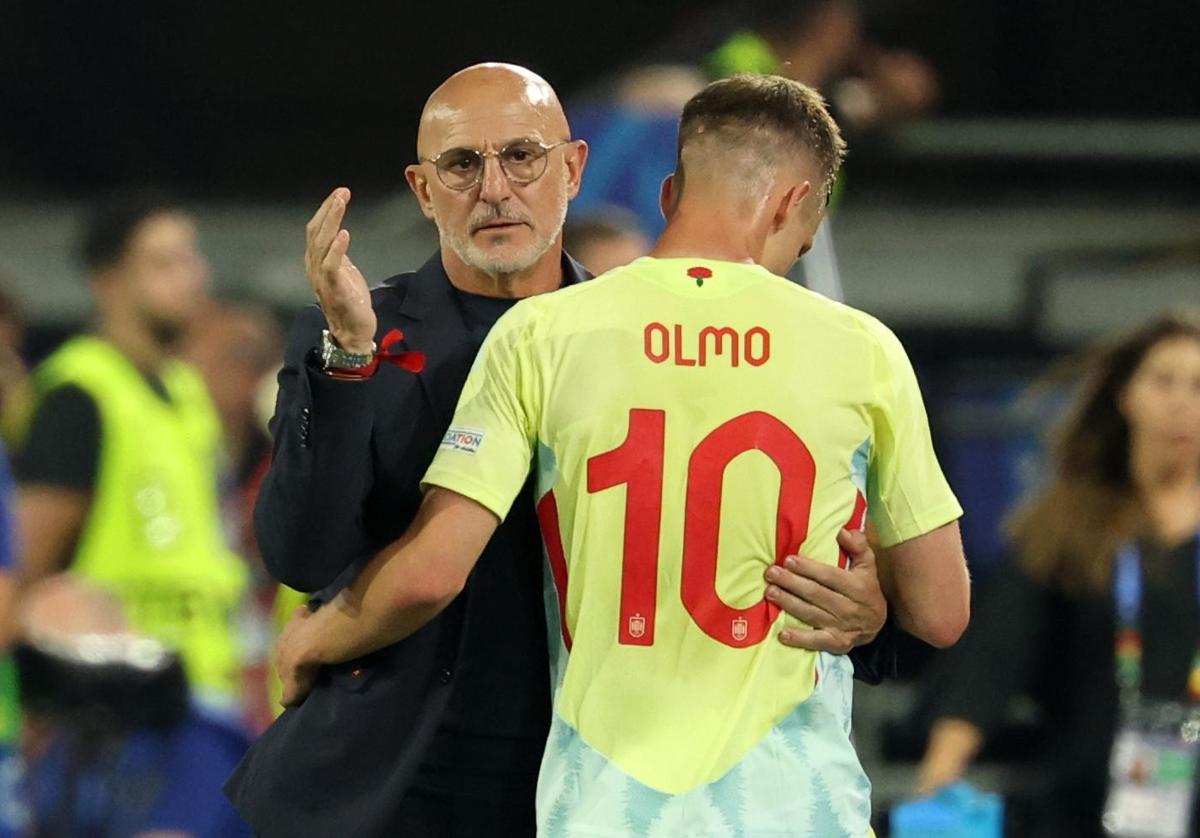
497 214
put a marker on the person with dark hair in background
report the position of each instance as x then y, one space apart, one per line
441 734
118 470
677 711
1102 602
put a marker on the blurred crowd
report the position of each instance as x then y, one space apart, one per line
136 619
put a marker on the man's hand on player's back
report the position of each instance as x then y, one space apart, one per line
845 606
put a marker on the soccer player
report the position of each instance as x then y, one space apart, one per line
687 414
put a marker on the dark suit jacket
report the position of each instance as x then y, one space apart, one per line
344 482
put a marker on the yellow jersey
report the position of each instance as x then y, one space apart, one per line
690 422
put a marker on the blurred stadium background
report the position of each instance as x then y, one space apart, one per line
1051 195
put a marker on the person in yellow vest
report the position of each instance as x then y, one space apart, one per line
118 467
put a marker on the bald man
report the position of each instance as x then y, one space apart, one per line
441 734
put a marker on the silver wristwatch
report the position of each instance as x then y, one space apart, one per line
333 357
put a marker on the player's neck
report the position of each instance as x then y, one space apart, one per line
711 232
542 276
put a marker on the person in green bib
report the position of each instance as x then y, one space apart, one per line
118 467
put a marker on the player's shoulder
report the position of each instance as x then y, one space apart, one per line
555 308
833 312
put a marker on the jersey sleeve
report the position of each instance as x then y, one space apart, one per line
907 493
486 452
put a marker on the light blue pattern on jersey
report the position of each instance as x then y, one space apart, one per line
803 780
860 462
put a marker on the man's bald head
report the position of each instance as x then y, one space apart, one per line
478 124
490 91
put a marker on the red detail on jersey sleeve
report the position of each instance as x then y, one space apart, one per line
858 520
547 512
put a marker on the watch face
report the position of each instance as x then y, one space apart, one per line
334 357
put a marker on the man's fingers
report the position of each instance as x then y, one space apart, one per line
828 575
801 609
856 546
332 262
817 584
817 641
314 223
330 229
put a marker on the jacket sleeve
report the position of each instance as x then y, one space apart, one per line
879 659
308 514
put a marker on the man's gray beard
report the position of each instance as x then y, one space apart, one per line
466 250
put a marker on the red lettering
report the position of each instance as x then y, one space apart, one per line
757 359
681 361
718 336
660 343
664 339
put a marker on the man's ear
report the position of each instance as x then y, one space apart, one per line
791 202
576 159
667 195
418 182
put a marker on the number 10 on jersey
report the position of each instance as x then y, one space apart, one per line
637 464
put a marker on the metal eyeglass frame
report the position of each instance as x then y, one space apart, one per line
484 155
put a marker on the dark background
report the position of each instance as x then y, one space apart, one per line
270 99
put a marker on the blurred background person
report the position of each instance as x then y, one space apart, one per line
118 472
1124 487
15 396
605 240
113 747
237 348
1046 199
822 43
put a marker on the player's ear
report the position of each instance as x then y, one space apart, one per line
667 195
790 203
418 182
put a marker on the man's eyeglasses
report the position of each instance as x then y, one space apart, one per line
522 161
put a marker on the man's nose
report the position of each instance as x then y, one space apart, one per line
494 186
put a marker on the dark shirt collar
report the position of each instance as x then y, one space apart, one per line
431 285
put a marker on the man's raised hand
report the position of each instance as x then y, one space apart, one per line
340 287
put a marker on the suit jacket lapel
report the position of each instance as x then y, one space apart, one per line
434 325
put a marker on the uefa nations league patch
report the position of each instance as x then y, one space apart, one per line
462 439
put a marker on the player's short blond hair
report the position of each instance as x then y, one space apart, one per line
767 118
